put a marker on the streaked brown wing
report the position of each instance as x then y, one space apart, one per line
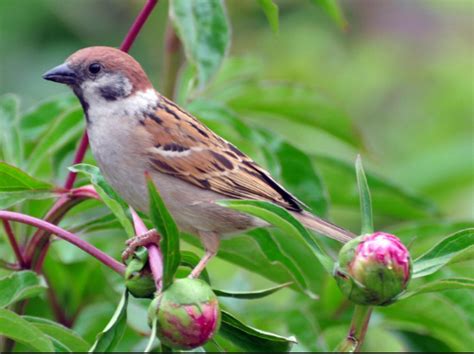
182 146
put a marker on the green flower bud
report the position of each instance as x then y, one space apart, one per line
373 269
138 278
187 314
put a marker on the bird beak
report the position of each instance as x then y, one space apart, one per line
62 74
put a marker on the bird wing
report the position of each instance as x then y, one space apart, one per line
180 145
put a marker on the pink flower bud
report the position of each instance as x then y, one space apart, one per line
373 269
187 314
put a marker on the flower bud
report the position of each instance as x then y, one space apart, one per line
138 278
187 314
373 269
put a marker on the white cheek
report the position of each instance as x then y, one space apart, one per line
133 105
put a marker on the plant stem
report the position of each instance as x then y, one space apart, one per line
155 258
65 235
137 25
355 337
78 158
172 61
14 243
39 244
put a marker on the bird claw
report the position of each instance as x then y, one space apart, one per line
142 240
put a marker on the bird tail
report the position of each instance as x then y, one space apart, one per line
323 227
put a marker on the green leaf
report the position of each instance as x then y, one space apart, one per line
203 28
256 294
365 199
252 339
271 12
65 129
334 10
108 339
63 338
10 140
16 186
14 327
20 285
297 173
281 218
268 101
453 248
435 316
440 285
166 227
110 198
388 198
37 119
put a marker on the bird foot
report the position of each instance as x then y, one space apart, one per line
142 240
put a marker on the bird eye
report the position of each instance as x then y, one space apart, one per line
94 68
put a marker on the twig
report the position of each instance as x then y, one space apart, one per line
172 61
65 235
39 243
14 243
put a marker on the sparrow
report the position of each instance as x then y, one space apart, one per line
134 130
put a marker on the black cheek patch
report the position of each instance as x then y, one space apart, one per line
112 93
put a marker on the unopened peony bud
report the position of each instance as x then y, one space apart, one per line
373 269
187 314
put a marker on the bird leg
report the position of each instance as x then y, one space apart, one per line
145 239
210 241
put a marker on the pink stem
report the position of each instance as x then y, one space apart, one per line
137 25
65 235
125 46
39 243
14 243
154 253
80 153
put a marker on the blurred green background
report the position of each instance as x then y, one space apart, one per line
402 74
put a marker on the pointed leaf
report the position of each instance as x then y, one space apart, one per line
110 198
63 338
334 10
304 105
252 339
108 339
297 173
203 28
453 248
440 285
16 186
38 118
20 285
255 294
281 218
14 327
165 225
271 12
65 129
365 199
11 147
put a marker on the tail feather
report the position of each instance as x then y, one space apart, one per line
323 227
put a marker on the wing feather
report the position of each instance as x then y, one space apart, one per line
180 145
